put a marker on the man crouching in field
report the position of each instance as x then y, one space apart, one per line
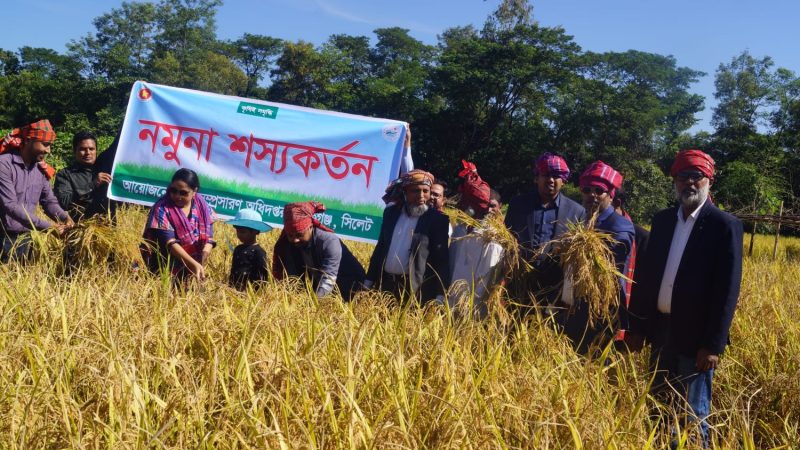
24 184
687 287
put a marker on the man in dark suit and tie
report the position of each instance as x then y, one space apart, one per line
687 287
411 258
536 218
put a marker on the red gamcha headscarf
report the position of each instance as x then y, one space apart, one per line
474 191
552 164
296 217
693 159
300 216
38 131
600 174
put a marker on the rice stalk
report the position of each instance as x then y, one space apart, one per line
123 361
492 228
93 242
585 254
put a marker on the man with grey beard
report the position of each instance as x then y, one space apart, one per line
411 260
686 289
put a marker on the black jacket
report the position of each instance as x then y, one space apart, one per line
73 187
543 281
429 259
706 288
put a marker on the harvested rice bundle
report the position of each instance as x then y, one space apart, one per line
493 229
47 245
586 255
95 241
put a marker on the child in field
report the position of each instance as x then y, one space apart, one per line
249 263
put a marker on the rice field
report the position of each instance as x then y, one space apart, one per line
114 358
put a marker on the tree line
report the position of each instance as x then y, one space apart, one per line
498 95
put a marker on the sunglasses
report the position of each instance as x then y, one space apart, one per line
181 192
596 190
690 175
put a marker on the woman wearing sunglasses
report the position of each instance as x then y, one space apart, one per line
179 229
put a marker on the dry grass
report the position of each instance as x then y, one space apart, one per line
115 359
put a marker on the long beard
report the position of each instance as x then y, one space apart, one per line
691 198
416 210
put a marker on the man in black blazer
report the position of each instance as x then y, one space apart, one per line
687 287
536 218
411 258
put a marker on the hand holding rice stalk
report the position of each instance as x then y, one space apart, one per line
90 242
493 229
585 254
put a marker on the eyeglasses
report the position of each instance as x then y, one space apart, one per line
690 175
596 190
181 192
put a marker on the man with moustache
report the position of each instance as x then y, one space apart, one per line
438 194
535 219
687 288
411 258
599 183
74 186
24 184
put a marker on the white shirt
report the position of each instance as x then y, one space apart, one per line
683 229
400 247
473 267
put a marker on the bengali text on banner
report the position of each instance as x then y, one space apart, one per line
259 155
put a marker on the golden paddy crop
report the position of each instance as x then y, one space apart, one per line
114 358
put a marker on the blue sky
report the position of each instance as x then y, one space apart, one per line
700 34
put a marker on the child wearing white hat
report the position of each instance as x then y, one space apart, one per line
249 264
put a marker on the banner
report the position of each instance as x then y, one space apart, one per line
259 155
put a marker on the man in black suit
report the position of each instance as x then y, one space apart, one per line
536 218
411 258
687 287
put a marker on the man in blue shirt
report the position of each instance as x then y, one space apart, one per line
599 183
536 218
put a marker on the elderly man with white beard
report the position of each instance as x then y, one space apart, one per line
411 259
686 289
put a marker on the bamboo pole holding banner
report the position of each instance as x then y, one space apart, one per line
777 233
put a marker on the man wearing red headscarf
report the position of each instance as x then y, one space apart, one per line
410 260
687 287
308 249
475 259
535 219
24 185
599 183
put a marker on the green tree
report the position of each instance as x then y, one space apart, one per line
121 48
747 91
625 105
255 54
348 58
743 186
744 91
216 73
300 77
491 97
648 189
397 86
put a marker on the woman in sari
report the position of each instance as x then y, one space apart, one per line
179 229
